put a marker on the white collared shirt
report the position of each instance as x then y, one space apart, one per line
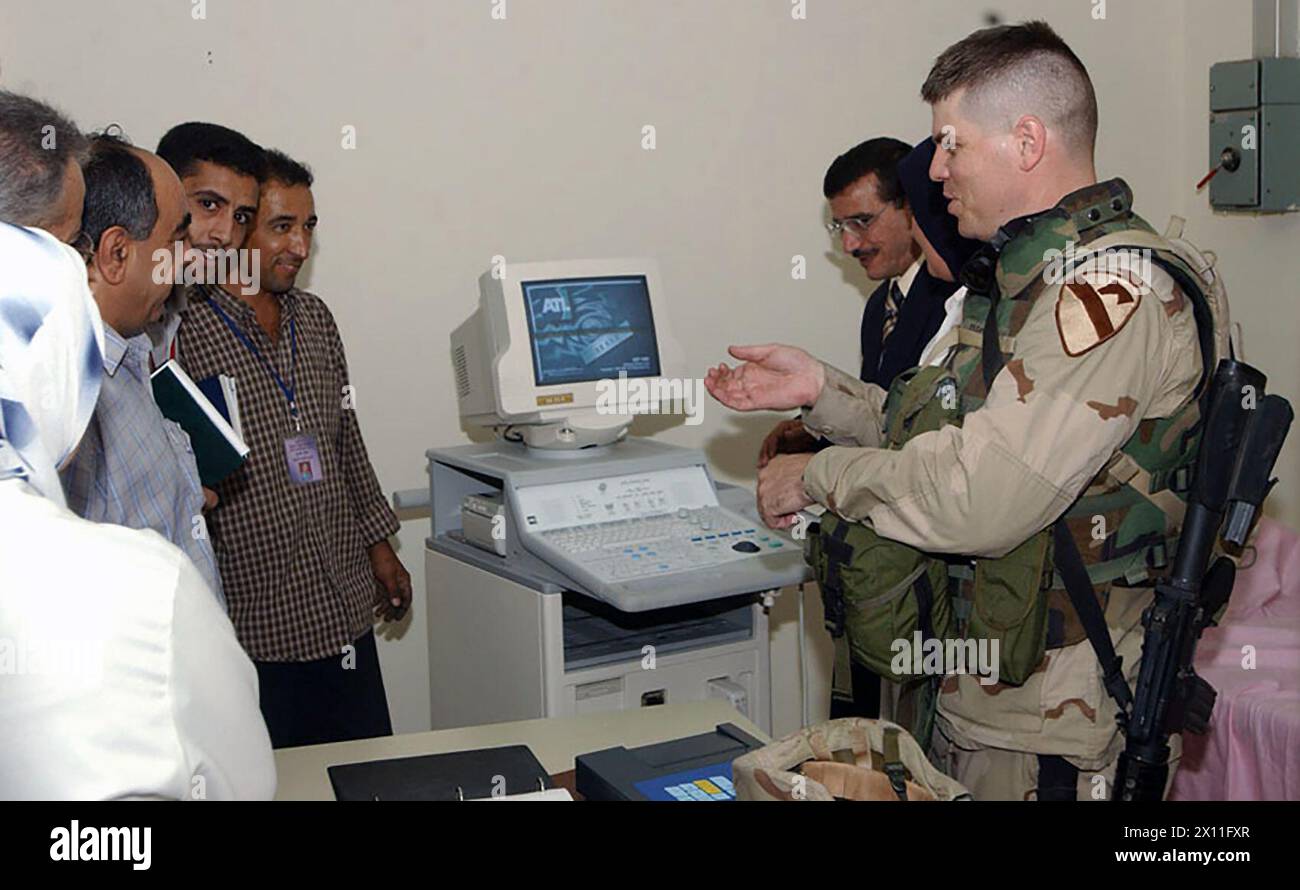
120 676
936 350
906 280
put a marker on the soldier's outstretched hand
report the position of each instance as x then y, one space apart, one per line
772 377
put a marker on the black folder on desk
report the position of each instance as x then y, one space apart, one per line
459 775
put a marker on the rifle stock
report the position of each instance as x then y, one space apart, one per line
1243 433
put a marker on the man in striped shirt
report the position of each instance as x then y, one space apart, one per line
135 468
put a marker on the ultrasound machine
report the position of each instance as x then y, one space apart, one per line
572 568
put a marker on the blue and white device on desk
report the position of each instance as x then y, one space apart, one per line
571 567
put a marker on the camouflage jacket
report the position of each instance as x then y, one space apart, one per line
1100 362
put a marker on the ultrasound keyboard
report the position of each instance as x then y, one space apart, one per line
659 536
662 544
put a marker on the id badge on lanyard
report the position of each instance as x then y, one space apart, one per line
301 450
302 456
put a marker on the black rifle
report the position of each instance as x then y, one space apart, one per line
1243 433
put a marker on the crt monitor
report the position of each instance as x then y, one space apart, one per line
583 329
548 338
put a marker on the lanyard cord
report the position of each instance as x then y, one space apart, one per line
291 389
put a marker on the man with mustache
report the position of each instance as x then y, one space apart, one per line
873 223
301 530
135 468
871 219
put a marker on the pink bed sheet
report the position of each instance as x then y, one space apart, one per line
1252 751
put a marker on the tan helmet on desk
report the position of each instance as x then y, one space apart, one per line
853 759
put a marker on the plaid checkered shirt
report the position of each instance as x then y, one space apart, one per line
293 557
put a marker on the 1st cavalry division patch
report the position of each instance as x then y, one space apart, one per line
1092 309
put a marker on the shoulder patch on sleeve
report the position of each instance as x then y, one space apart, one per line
1092 308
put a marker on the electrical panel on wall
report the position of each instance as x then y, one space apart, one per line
1254 151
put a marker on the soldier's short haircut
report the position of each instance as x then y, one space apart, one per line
36 145
879 156
1012 70
285 170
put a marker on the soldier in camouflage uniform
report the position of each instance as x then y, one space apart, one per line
1085 385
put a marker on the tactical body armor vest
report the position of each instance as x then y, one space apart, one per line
890 591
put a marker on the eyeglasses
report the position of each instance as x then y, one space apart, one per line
857 225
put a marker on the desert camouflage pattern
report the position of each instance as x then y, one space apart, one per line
997 774
1095 367
840 759
1063 708
849 411
1049 424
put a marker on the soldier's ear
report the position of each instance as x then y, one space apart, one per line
1029 137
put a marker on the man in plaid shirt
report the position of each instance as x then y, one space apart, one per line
301 530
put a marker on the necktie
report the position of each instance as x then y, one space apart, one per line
893 300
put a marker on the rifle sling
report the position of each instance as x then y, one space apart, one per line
1070 565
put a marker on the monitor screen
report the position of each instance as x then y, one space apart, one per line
585 329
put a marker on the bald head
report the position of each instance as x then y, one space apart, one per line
135 214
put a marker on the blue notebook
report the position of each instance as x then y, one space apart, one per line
223 393
211 387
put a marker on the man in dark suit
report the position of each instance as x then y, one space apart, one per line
871 219
873 222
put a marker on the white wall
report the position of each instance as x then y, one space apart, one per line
522 137
1257 253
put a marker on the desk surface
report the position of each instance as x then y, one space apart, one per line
556 742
